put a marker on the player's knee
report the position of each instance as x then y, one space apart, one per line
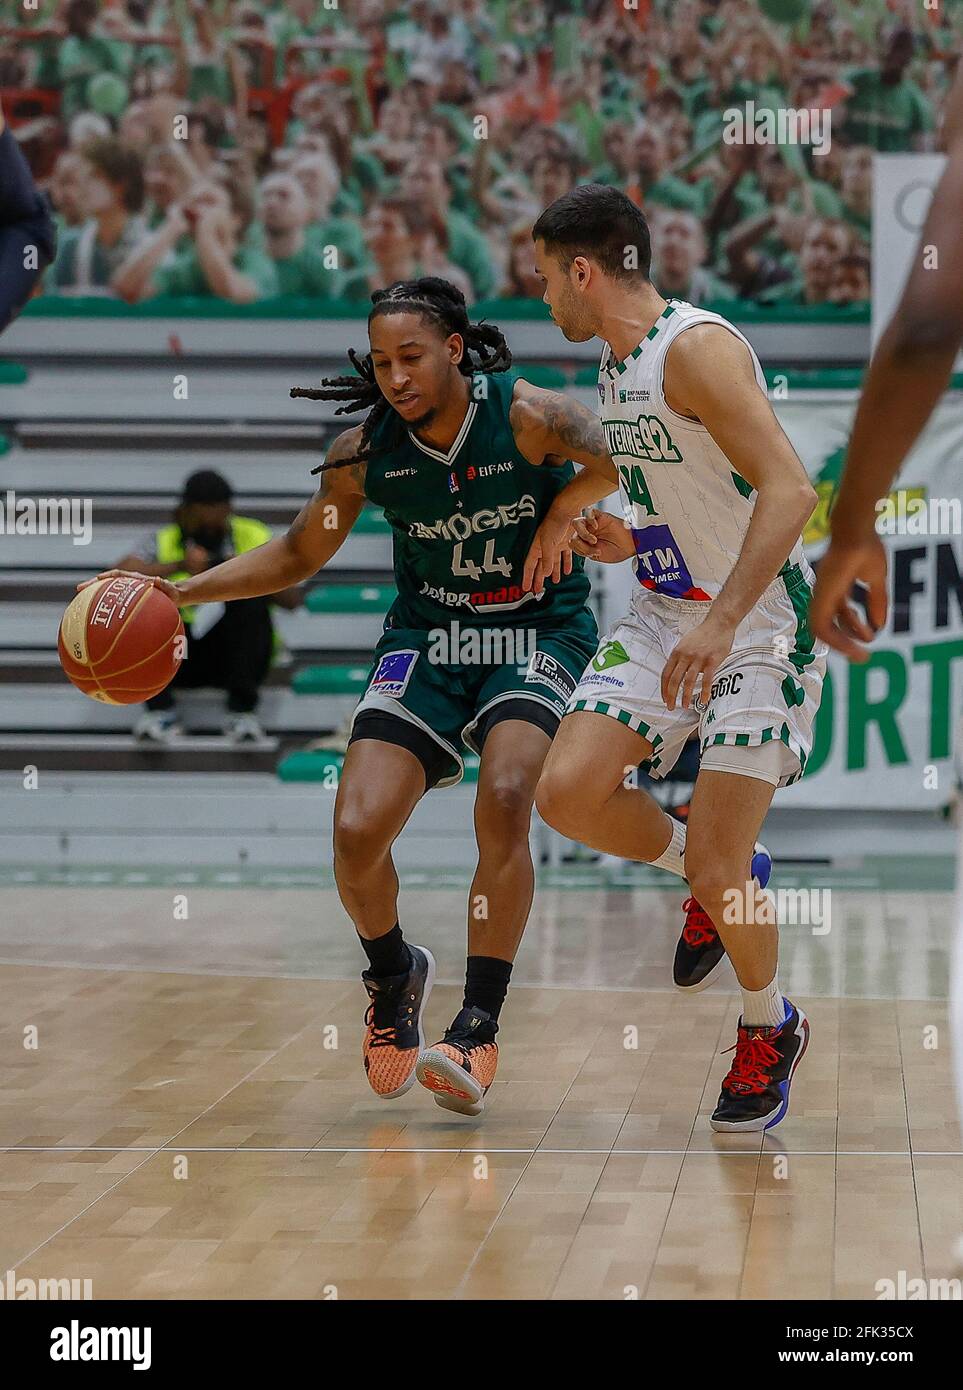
357 838
557 802
712 877
503 810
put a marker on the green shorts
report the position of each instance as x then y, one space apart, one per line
447 699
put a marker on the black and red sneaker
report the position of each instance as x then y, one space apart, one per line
700 954
755 1090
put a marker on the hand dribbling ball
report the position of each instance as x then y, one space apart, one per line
121 641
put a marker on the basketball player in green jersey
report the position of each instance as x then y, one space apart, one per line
466 458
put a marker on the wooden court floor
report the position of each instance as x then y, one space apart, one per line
183 1112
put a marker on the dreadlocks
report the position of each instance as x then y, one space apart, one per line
435 300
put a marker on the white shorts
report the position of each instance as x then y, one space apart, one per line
766 691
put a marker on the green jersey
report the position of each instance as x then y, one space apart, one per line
463 521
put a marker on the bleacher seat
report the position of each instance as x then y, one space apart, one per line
318 765
350 598
335 679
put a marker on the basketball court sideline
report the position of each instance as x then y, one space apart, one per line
187 1115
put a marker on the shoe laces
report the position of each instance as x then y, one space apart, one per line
698 929
466 1040
379 1037
750 1071
387 1012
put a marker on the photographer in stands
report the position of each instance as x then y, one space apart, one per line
229 645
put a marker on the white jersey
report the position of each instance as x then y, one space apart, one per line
688 508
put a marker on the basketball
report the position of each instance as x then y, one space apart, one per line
118 641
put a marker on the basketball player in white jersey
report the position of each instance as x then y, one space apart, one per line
907 376
716 638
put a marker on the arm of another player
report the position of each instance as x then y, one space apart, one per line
550 428
709 376
313 537
908 374
559 533
27 236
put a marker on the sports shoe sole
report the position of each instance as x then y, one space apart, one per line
452 1087
763 1122
407 1084
717 969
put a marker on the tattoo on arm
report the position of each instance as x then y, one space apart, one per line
574 427
303 519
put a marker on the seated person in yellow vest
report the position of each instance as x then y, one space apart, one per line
229 645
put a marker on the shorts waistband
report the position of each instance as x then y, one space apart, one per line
793 577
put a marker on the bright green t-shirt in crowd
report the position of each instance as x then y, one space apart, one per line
183 275
305 274
885 115
343 234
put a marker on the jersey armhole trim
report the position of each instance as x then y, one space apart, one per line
683 421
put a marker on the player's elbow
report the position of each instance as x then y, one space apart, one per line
793 499
298 564
808 497
804 502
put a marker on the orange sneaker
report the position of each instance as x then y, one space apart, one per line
459 1069
393 1029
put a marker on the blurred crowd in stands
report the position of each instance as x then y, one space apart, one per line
327 147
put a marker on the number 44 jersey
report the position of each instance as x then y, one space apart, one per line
688 509
463 520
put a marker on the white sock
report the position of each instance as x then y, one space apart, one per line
763 1006
673 856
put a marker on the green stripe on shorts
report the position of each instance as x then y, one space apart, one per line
631 721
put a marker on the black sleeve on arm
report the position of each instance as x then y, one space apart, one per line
24 221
